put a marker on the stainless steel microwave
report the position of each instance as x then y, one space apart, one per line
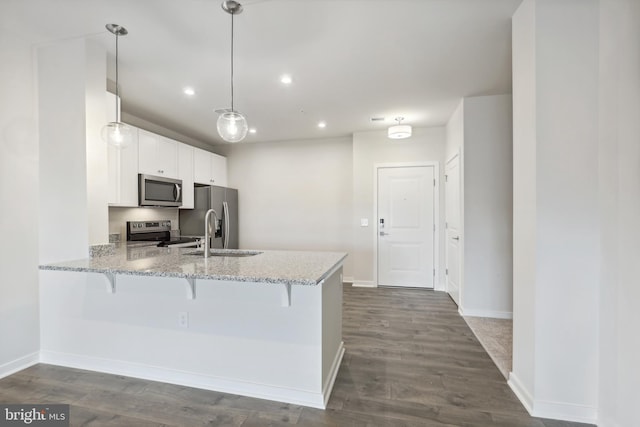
159 191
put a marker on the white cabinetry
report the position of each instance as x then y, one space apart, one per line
122 166
209 168
157 155
185 173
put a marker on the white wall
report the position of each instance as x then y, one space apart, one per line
524 199
480 130
95 119
487 206
566 272
64 221
619 152
294 195
370 148
455 131
19 330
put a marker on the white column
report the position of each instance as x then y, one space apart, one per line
73 162
556 212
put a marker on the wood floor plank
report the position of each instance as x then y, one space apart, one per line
410 360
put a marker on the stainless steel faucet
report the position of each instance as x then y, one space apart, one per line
207 236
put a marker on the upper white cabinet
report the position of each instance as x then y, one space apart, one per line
157 155
209 168
185 173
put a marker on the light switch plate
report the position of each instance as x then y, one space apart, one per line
364 222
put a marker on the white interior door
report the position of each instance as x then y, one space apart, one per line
406 226
452 214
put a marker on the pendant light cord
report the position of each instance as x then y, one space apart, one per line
232 61
117 93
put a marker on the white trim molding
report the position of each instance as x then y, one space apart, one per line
552 410
197 380
486 313
363 284
347 279
521 392
19 364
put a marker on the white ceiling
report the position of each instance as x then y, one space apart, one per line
350 59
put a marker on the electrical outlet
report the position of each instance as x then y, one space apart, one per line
183 319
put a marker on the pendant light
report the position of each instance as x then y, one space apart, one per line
399 131
117 133
232 125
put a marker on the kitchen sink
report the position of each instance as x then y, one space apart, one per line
226 253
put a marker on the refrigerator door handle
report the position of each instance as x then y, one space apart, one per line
225 207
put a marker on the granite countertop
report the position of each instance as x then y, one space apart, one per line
288 267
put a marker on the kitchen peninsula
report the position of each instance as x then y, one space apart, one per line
264 324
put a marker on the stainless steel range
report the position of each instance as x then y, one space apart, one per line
158 231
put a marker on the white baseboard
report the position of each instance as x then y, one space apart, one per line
363 284
552 410
486 313
347 279
565 411
196 380
333 374
440 287
521 392
604 421
19 364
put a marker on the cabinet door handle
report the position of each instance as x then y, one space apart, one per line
456 238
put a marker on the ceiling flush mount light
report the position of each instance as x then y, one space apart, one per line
322 125
232 125
399 131
189 91
286 79
117 133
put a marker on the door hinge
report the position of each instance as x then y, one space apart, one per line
434 182
446 178
446 225
446 272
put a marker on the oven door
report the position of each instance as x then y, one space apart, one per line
159 191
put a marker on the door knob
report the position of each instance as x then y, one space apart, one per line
382 233
456 238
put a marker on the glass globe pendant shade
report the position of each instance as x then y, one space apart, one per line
232 126
117 134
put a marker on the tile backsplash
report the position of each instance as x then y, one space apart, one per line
118 218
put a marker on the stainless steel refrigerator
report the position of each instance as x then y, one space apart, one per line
225 202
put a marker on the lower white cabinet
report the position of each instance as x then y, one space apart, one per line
123 173
185 173
209 168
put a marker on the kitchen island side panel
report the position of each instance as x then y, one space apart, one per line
240 338
332 345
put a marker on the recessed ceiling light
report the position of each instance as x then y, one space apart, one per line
252 130
322 125
189 91
286 79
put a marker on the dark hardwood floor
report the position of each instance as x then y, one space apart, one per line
411 360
